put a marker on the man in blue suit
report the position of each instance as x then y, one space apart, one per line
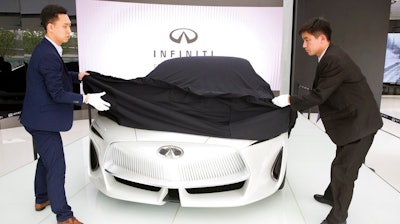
48 109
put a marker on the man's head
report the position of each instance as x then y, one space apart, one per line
316 35
56 23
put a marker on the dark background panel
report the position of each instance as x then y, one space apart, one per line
360 27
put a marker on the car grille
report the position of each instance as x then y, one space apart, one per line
142 164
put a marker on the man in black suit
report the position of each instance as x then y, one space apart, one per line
348 111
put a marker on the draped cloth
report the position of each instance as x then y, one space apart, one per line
211 96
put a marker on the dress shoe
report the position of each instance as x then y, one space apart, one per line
71 220
326 222
41 206
321 199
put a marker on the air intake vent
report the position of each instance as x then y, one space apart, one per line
145 165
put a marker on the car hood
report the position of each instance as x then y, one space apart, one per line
211 96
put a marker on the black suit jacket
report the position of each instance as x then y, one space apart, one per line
346 104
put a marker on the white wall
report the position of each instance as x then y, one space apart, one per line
127 40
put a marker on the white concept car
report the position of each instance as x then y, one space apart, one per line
167 139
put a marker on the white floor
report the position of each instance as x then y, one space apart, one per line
376 195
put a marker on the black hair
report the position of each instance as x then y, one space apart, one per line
317 26
50 14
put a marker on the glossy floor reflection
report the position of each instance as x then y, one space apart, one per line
310 155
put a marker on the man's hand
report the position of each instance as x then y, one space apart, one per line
82 74
282 100
97 102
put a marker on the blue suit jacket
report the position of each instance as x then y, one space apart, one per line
49 99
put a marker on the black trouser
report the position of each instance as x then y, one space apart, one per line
344 171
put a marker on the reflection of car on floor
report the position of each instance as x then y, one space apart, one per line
199 130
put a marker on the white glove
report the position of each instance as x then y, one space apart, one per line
95 100
282 100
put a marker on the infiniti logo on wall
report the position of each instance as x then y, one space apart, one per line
182 36
183 33
170 151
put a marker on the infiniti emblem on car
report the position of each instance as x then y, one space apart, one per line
170 151
177 35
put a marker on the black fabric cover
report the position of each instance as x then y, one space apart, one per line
212 96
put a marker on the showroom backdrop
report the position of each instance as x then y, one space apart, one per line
127 39
360 27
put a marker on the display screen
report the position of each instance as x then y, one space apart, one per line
128 39
392 60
